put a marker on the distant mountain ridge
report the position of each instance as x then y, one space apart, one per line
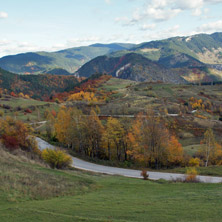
194 58
68 59
206 48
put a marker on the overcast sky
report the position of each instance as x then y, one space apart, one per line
36 25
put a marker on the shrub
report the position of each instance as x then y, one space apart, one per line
28 111
151 94
220 118
194 162
10 142
56 158
53 112
191 175
144 174
32 145
1 113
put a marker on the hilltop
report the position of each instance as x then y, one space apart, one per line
194 58
131 66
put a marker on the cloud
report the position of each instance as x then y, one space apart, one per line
160 14
197 12
3 15
164 10
83 41
211 27
165 33
188 4
4 42
148 27
213 1
108 2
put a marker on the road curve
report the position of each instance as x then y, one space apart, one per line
84 165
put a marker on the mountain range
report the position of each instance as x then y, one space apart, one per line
68 59
178 59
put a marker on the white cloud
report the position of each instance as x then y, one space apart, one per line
188 4
164 10
4 42
197 12
3 15
108 1
148 27
165 33
159 14
83 41
213 1
211 27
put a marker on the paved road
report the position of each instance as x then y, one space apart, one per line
84 165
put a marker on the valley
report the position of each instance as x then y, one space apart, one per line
132 132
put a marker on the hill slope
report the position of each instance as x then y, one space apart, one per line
130 66
36 193
204 47
69 59
58 71
36 86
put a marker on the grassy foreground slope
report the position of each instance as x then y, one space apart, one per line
81 196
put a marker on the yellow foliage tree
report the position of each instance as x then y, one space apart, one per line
174 152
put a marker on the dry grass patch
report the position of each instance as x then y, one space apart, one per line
24 179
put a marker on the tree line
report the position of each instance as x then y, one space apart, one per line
145 141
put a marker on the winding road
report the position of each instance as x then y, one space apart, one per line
84 165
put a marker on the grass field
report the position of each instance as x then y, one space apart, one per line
92 197
17 106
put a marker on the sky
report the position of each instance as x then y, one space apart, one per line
52 25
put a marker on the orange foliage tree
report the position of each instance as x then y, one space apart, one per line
175 154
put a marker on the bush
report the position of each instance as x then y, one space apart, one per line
1 113
10 142
191 175
144 174
194 162
56 158
28 111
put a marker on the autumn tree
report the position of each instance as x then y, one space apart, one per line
95 132
174 152
78 130
209 144
149 140
50 124
216 155
211 152
71 129
62 124
113 138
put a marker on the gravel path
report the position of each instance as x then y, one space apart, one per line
84 165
